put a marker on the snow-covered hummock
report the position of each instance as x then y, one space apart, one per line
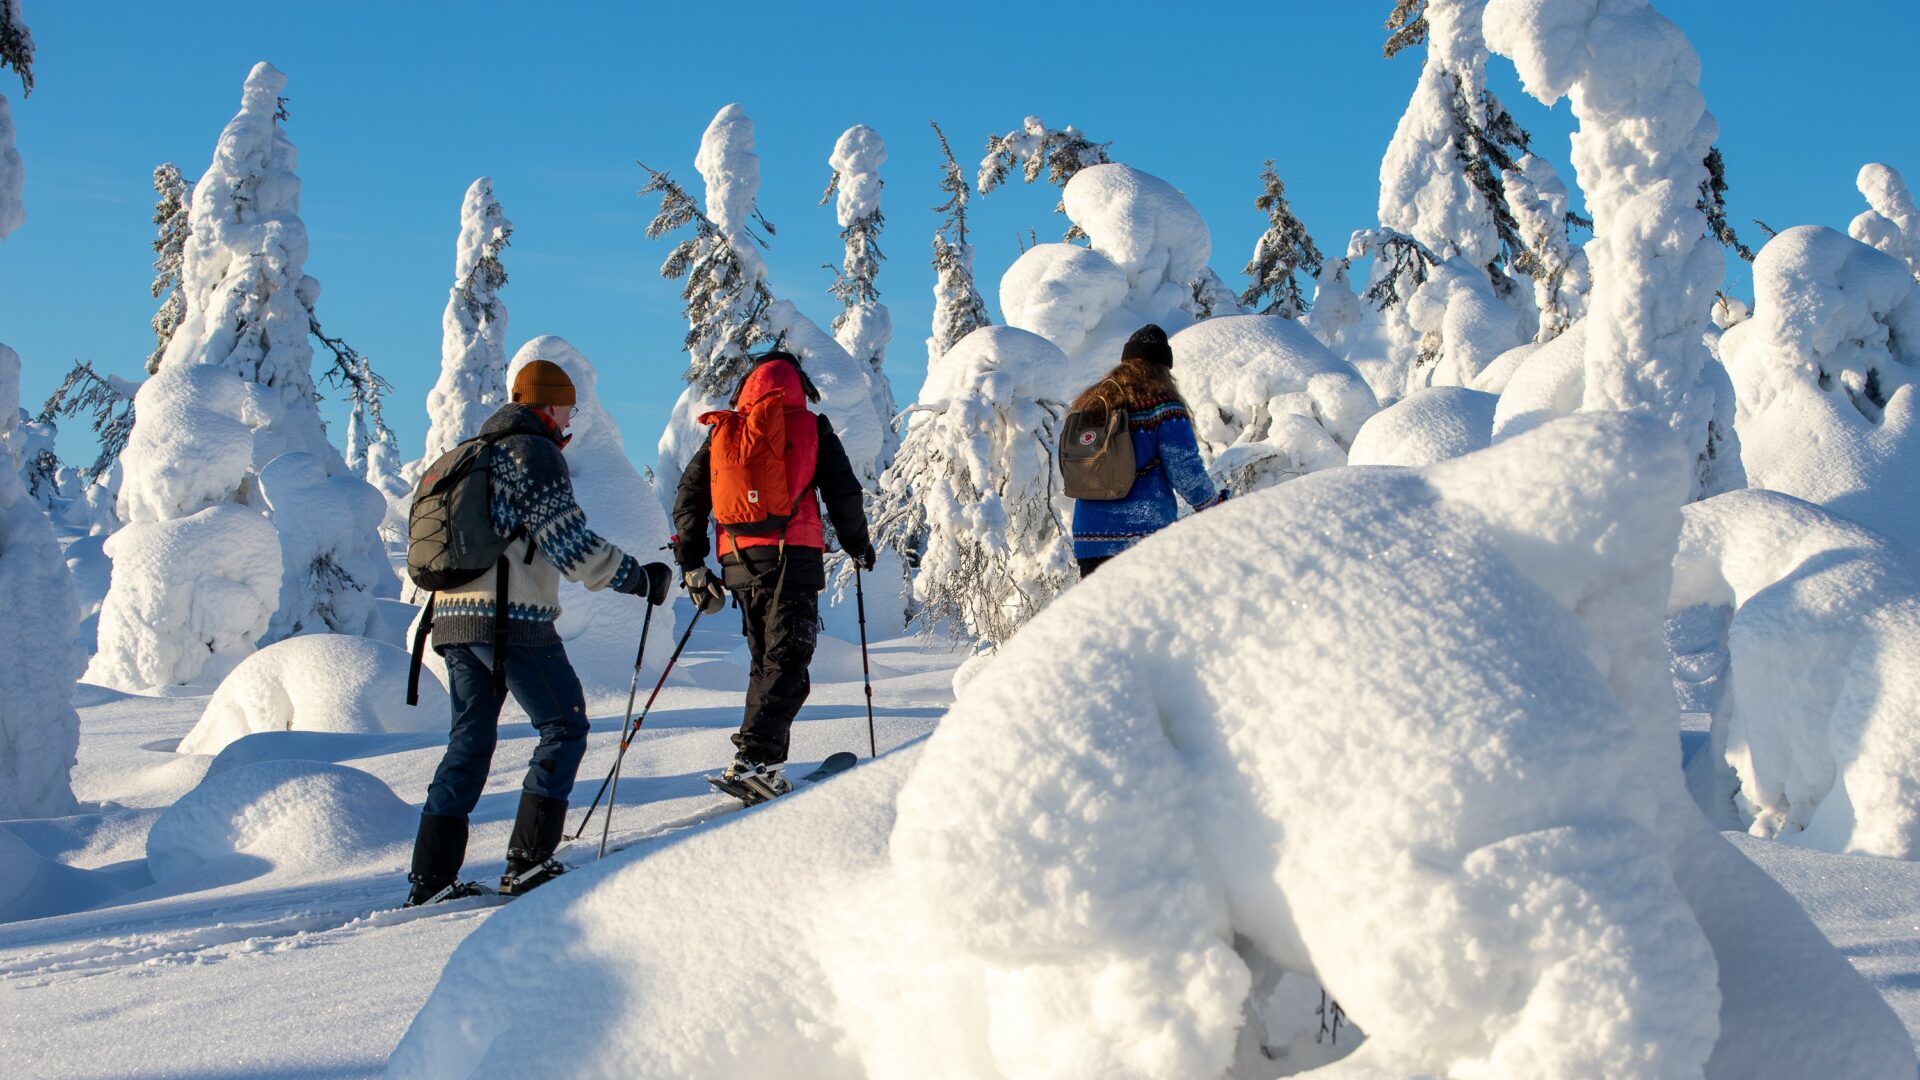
865 327
1425 427
307 818
1823 374
1149 246
1268 401
331 575
602 629
318 682
976 484
1639 156
473 330
1891 225
1816 733
197 567
13 175
1445 784
39 730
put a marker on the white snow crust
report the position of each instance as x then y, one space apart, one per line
39 730
1473 832
1823 375
1268 401
1817 725
303 817
318 682
1429 426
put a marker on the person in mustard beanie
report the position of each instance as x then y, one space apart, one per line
530 501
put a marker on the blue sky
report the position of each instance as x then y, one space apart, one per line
397 107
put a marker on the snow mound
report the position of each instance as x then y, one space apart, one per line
318 682
1547 382
1269 402
1824 373
1816 736
602 629
305 816
1431 425
1444 784
35 887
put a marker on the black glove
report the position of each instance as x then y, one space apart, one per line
659 579
865 558
706 593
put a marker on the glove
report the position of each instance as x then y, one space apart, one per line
865 558
706 593
659 579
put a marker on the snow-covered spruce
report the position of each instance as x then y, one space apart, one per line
972 498
958 309
317 682
1036 149
1824 377
1269 402
1640 158
1091 857
1817 726
473 330
39 730
863 326
1542 211
1282 252
1890 224
172 220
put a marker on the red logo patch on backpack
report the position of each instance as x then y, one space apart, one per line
748 462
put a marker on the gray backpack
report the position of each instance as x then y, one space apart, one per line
1096 453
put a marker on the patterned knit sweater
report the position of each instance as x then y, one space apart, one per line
1161 431
532 494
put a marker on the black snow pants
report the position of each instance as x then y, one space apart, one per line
781 619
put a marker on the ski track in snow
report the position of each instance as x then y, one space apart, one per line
305 973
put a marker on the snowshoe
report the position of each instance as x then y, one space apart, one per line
523 877
424 893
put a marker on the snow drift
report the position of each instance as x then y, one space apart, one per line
1429 426
318 682
304 816
1445 784
1816 734
1268 401
1823 374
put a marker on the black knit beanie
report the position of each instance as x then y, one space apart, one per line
1148 343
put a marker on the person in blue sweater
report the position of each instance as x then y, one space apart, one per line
1163 444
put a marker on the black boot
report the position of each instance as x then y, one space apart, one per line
438 850
536 833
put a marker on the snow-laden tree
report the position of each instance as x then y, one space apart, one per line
473 330
958 309
39 730
107 402
1890 225
726 294
1282 252
172 219
1037 148
864 326
1713 203
1543 210
1640 156
971 502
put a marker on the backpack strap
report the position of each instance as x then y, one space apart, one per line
419 651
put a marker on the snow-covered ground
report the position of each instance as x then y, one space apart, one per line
289 968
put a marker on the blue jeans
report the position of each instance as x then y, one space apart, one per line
543 682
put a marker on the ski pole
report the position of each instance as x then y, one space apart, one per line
866 676
627 736
633 691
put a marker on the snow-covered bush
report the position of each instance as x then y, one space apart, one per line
329 575
1816 733
473 330
317 682
1890 225
299 816
39 730
972 500
1823 374
1268 401
1443 782
1427 426
602 629
1149 248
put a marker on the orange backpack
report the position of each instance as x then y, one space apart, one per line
748 458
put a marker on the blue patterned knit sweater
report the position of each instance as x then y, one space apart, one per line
532 493
1163 431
